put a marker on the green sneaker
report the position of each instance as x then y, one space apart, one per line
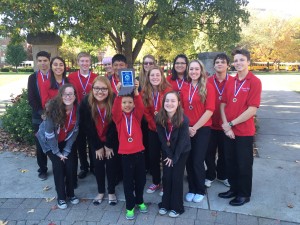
143 208
130 214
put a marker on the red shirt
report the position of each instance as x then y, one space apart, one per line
47 92
69 125
41 79
114 82
176 84
151 111
101 126
126 147
83 85
219 90
198 108
248 95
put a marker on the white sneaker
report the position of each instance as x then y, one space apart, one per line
225 182
162 211
208 182
189 197
161 193
74 200
62 204
198 198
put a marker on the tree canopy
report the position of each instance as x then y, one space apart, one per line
128 23
15 54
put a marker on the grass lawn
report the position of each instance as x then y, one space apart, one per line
6 78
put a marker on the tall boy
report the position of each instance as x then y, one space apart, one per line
82 81
216 143
239 104
35 83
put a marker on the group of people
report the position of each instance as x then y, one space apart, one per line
187 120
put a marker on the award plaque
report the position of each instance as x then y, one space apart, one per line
127 79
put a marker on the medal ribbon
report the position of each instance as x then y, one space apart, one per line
168 135
179 85
113 79
236 91
220 91
128 123
84 87
57 84
102 117
47 74
155 100
70 119
191 97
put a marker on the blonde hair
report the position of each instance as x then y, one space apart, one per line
143 73
84 54
202 80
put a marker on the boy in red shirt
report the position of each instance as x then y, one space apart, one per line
131 148
119 61
239 104
82 81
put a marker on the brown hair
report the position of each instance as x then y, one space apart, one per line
143 73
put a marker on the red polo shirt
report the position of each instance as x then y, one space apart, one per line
219 90
248 95
69 125
177 86
47 92
199 108
83 85
114 82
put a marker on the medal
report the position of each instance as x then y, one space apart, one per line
87 82
234 100
179 85
70 119
102 117
129 126
217 87
220 97
155 101
113 80
192 96
43 76
168 135
61 84
168 143
237 90
155 113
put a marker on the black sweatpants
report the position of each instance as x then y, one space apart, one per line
154 156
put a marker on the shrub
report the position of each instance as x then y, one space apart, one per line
4 69
26 69
16 120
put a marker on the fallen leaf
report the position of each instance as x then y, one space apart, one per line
54 207
49 199
47 188
31 211
52 223
290 205
24 171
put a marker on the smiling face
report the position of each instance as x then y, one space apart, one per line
69 96
241 63
180 65
127 104
118 65
194 71
43 63
155 77
221 65
58 67
100 91
84 63
171 103
148 64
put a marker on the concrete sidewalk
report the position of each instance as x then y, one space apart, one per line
275 198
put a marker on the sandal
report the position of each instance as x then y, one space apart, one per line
113 201
98 201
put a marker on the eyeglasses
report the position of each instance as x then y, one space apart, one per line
97 89
180 63
107 64
68 95
148 63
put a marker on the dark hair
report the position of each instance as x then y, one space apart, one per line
243 52
162 116
53 84
55 108
43 54
174 72
119 57
222 56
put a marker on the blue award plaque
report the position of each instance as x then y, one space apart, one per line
127 79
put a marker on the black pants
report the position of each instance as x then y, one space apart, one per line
145 130
239 162
173 185
41 157
105 167
63 173
81 143
134 178
195 163
155 156
216 169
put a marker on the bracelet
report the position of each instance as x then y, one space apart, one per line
230 124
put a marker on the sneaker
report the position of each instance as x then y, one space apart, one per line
43 176
82 174
74 200
62 204
189 197
173 214
130 214
161 193
198 198
225 182
162 211
208 182
143 208
152 188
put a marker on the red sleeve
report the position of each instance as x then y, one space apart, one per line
139 107
255 93
149 115
210 98
117 110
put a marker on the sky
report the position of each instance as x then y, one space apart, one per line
286 8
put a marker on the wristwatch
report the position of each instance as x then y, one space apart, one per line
230 124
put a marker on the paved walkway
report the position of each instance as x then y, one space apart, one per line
275 199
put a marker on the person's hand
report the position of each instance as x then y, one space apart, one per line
62 158
109 153
230 134
168 161
136 87
192 131
100 154
226 127
119 86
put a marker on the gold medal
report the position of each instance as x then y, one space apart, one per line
130 139
168 143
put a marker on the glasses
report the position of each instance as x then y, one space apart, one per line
68 95
97 89
107 64
148 63
180 63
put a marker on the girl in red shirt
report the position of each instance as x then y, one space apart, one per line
154 90
198 101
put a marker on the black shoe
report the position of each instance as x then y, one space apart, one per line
82 174
238 201
43 175
227 194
